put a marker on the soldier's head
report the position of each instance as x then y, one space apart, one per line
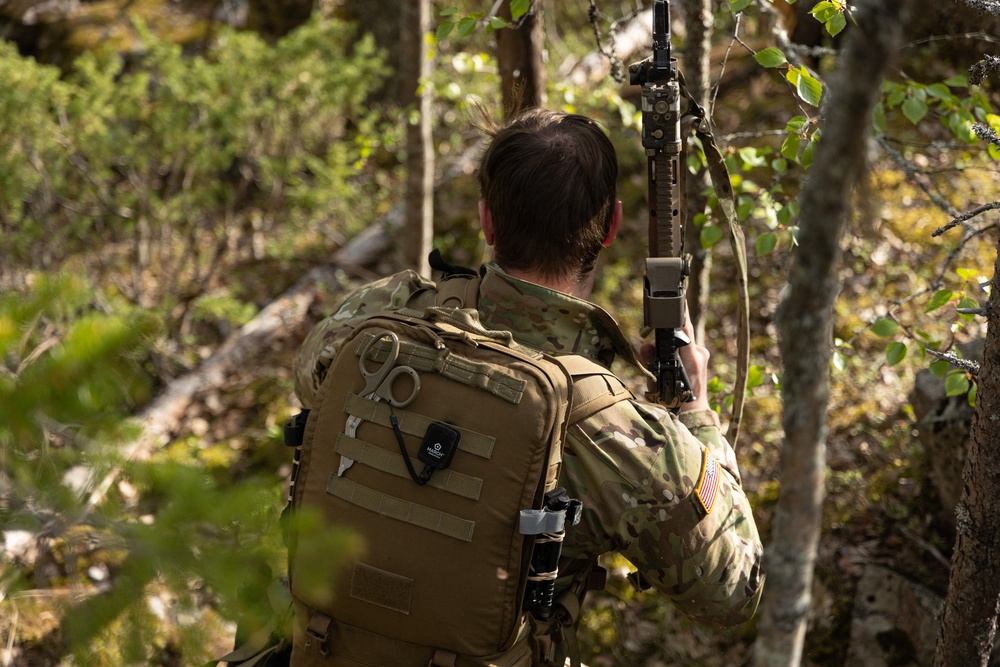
548 194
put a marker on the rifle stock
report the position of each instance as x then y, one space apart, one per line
667 268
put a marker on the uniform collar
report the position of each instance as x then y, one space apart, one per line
549 320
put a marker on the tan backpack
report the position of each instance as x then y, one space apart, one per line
436 440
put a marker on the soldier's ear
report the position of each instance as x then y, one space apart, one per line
486 222
616 224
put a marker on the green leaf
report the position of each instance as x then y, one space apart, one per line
466 26
914 109
497 23
765 243
967 302
737 6
710 235
878 117
895 353
940 298
885 327
444 30
824 11
956 383
940 91
519 8
796 123
939 368
448 11
972 394
958 81
836 24
755 377
967 274
790 147
809 88
770 57
809 151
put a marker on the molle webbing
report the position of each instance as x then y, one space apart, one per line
594 387
452 366
400 509
414 424
386 461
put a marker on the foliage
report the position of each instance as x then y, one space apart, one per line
175 164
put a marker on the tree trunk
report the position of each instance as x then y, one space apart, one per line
699 19
804 322
519 57
970 613
415 65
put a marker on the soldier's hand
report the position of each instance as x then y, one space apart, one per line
695 358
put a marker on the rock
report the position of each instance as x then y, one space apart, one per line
895 621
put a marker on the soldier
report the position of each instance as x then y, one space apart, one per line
661 489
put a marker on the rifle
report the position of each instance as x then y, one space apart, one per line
667 268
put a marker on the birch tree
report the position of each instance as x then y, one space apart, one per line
804 321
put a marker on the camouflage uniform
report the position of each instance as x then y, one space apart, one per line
634 465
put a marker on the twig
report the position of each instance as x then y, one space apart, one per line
956 361
965 217
927 546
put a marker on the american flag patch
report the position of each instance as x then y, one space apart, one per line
708 483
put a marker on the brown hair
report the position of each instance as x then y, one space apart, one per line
548 179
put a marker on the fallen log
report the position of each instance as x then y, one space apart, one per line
162 418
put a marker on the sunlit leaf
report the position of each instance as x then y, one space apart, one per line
809 88
755 377
972 394
736 6
770 57
940 298
824 11
836 24
839 361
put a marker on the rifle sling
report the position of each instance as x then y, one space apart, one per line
723 189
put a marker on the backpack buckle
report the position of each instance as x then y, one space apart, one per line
295 429
316 633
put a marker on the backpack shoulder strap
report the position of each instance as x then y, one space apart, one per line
594 387
456 291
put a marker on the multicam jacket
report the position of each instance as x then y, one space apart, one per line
662 490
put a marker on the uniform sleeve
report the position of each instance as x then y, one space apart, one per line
326 338
672 504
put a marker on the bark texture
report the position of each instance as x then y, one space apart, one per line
970 614
415 65
519 57
804 322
